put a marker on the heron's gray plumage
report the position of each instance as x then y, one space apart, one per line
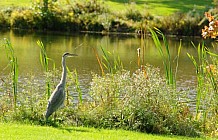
58 96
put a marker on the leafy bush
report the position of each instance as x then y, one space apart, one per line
90 6
180 23
4 21
141 102
22 19
132 13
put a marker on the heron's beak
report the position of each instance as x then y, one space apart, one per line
72 54
67 54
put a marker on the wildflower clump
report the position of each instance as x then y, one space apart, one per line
212 30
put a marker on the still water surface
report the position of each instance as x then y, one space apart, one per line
125 46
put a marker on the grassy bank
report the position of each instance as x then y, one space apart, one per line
178 18
160 7
33 132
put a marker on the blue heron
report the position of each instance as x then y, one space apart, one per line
58 96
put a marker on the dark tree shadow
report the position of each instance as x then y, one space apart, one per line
57 123
73 129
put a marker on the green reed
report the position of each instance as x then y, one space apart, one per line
74 76
199 64
44 60
111 66
114 65
99 61
177 59
166 57
43 56
13 68
207 75
211 74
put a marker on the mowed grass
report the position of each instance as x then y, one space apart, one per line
156 7
162 7
22 3
10 131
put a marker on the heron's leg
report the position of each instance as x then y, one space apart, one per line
55 115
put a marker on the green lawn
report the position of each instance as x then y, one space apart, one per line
28 132
5 3
157 7
162 7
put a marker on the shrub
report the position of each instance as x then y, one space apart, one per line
141 102
180 23
133 14
90 6
4 21
22 19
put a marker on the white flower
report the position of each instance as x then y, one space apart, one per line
211 23
204 34
210 28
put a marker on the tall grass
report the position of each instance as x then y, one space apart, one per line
206 98
166 56
109 61
99 61
13 68
44 60
212 73
199 66
43 56
74 76
113 65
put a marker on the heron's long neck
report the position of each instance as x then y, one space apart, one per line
64 71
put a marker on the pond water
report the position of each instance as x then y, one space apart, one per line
124 46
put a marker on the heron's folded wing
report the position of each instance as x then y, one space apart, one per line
57 95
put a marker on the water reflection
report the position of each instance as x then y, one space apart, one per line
56 44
